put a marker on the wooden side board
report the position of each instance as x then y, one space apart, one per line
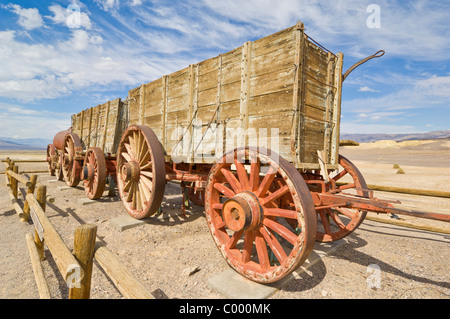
100 126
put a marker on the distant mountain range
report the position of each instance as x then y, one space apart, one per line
368 138
9 143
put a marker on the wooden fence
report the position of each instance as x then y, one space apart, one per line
75 267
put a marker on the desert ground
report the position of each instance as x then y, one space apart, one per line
162 252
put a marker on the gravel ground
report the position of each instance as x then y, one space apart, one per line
379 261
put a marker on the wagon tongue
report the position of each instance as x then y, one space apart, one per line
375 205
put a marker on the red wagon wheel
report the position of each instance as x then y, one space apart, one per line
51 159
141 172
71 168
260 213
94 173
338 222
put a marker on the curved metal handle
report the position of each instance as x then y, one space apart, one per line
378 54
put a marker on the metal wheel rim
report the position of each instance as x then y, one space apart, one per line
248 251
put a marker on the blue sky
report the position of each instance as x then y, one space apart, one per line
52 66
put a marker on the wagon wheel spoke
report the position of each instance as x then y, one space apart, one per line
261 248
224 190
274 244
254 174
340 175
257 220
281 230
234 239
280 212
248 246
130 151
334 216
266 182
242 174
232 180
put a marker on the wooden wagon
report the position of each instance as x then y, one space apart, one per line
87 151
252 134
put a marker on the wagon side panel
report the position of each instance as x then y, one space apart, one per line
318 110
270 93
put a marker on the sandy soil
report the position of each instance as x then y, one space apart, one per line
412 263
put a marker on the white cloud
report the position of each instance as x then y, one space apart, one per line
26 122
107 4
71 16
342 25
135 3
436 86
28 18
82 62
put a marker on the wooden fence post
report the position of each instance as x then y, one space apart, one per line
14 182
39 276
6 170
41 193
83 250
26 206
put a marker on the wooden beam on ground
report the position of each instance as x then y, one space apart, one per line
409 225
27 161
123 279
41 282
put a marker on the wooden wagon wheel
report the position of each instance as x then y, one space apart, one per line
338 222
141 172
260 213
94 173
71 167
51 159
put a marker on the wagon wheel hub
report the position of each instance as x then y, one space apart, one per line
130 171
88 172
243 212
